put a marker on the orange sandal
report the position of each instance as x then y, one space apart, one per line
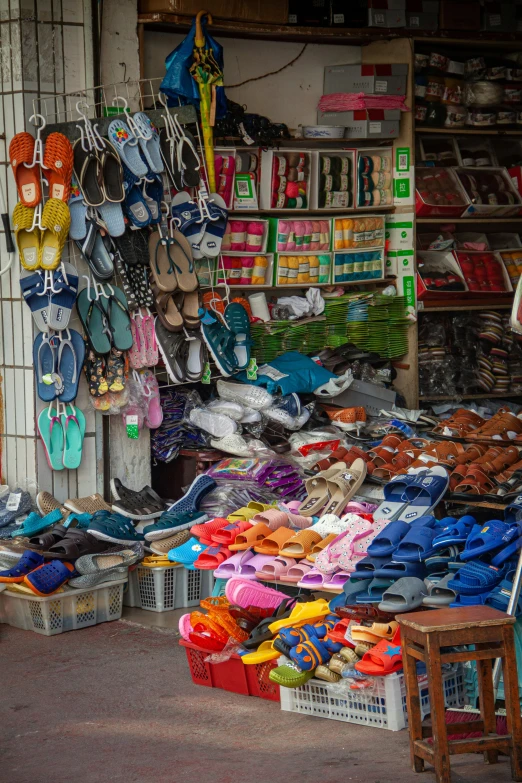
27 177
58 160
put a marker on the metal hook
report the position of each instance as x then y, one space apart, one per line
38 143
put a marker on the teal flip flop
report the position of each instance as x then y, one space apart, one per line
52 435
118 316
237 320
94 319
73 424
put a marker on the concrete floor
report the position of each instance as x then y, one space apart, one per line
116 702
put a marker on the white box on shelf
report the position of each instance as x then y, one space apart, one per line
364 123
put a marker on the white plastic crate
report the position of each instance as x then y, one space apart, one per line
384 707
67 611
164 588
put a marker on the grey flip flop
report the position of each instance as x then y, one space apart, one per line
406 594
439 594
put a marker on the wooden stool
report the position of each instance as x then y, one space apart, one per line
423 634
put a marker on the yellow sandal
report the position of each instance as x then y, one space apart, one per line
28 240
56 220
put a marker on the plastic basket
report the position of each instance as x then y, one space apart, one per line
231 675
384 707
164 588
67 611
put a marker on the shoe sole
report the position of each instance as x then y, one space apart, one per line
113 490
137 517
105 537
177 502
157 535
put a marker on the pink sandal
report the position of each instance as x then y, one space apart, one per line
247 593
275 567
327 561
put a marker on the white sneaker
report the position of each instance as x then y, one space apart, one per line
247 395
233 410
281 417
215 423
232 444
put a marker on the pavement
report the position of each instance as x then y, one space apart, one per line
115 702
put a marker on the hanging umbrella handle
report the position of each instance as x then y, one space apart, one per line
200 38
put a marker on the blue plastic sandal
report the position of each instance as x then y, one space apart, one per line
366 568
396 570
308 655
187 553
35 524
455 532
416 545
27 563
113 527
475 578
190 502
484 538
46 579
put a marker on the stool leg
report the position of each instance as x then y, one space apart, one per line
412 703
487 702
441 756
514 721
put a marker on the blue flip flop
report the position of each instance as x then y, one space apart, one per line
424 492
396 570
63 296
200 487
33 287
48 383
366 568
475 578
71 355
126 144
154 197
385 544
455 532
485 538
512 511
416 545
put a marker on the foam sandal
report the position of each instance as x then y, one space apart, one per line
48 578
212 557
485 538
274 542
17 573
150 145
254 535
423 493
126 144
384 658
310 654
317 548
118 318
406 594
416 545
28 240
161 265
58 161
265 652
318 490
228 534
290 676
274 568
312 611
74 544
246 593
439 594
220 342
56 220
300 545
27 176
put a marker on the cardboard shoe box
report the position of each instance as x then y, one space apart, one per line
499 17
385 18
420 21
460 15
364 123
309 13
370 79
271 11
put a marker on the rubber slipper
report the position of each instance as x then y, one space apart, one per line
167 310
374 592
63 296
384 658
126 145
416 545
73 424
374 633
153 195
484 538
215 227
314 579
48 382
454 532
32 284
35 524
290 676
161 264
424 492
300 544
27 563
87 170
368 566
395 500
513 542
27 176
70 358
274 542
397 570
245 513
112 216
51 432
385 544
167 524
310 612
118 318
440 594
94 320
113 527
268 567
181 257
212 557
56 220
28 240
48 578
150 145
187 553
135 206
228 534
74 544
199 489
406 594
206 530
238 322
297 572
220 342
265 652
475 578
310 654
246 593
318 491
58 162
231 566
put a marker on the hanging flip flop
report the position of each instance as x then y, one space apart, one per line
188 161
215 227
153 195
56 220
63 296
87 170
194 357
51 432
190 310
112 215
126 145
78 210
167 310
73 424
187 217
180 254
161 265
34 293
94 320
70 358
48 383
149 142
28 239
238 322
27 176
111 174
135 207
58 161
118 317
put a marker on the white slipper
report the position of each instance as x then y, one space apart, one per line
250 416
215 423
329 523
232 444
233 410
245 394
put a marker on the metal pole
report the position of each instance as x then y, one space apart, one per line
513 601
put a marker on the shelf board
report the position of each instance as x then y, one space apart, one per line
324 213
473 39
300 141
290 287
476 503
450 397
469 131
470 221
453 308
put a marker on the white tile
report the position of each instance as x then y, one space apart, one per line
30 448
30 410
19 389
44 472
29 334
11 473
7 319
46 58
5 57
18 337
29 60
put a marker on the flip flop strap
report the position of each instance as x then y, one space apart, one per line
174 241
114 299
68 343
106 330
46 342
54 419
184 140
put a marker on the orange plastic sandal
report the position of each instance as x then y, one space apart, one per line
274 542
21 151
58 160
251 537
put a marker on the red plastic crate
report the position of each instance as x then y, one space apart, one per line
232 675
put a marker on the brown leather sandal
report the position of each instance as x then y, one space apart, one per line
475 483
497 429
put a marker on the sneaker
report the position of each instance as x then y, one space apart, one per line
290 403
214 423
14 505
145 504
46 503
238 446
245 394
173 523
281 416
250 416
88 505
191 500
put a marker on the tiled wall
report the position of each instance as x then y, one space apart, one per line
45 49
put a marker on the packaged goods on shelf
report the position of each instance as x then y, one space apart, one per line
302 236
245 270
439 274
364 123
225 167
512 260
285 180
246 182
484 272
332 182
354 266
245 236
374 177
490 192
303 269
439 192
366 78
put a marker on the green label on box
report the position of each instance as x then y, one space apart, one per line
401 188
252 370
112 111
408 290
131 424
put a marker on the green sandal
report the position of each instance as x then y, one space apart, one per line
73 424
290 676
237 320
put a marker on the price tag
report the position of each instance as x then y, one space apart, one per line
381 86
206 374
13 501
131 423
375 127
252 370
